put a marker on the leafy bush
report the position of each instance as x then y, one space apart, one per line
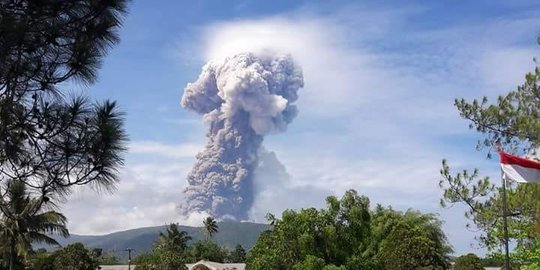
348 235
74 256
160 260
468 262
206 250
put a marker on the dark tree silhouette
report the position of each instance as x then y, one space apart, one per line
25 222
210 227
173 239
51 141
47 140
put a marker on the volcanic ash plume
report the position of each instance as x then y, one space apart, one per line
242 98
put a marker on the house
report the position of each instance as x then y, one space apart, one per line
217 266
192 266
116 267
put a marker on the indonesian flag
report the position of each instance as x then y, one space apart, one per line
520 169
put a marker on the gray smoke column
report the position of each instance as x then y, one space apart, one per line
242 98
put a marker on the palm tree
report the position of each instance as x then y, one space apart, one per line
174 239
24 221
210 227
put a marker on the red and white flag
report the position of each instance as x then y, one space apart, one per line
520 169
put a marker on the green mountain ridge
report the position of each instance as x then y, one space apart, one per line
141 240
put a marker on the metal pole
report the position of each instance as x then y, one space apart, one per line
505 224
129 250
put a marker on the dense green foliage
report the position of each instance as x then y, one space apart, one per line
513 124
513 121
468 262
43 261
407 247
171 250
493 260
173 240
348 235
237 255
103 258
210 227
168 253
71 257
403 236
48 142
24 221
160 260
74 256
142 240
109 260
206 250
529 256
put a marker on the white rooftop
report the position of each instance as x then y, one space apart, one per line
218 266
116 267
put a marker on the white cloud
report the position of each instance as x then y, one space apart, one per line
501 68
147 195
186 150
333 72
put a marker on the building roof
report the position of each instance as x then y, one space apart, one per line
116 267
218 266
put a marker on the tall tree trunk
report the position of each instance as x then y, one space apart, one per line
12 255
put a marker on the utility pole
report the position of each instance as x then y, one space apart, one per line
505 224
505 213
129 250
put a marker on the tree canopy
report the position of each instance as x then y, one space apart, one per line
468 262
74 256
349 235
23 221
168 252
51 137
237 255
512 123
173 239
49 140
210 227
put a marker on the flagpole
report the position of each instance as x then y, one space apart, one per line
505 223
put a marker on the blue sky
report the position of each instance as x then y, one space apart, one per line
376 113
